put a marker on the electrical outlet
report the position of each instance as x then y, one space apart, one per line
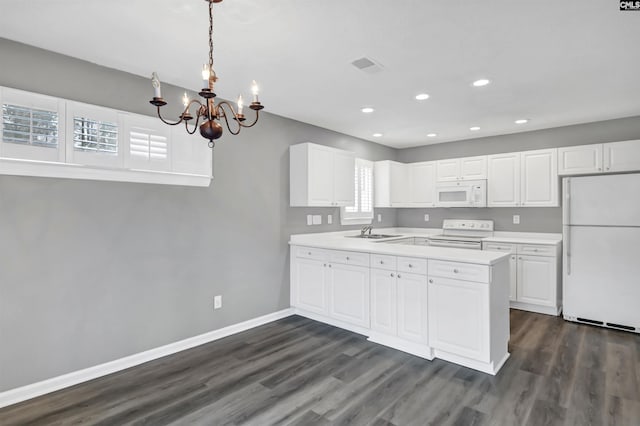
426 217
317 219
379 217
309 220
329 219
217 302
516 219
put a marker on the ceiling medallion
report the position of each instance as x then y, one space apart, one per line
207 111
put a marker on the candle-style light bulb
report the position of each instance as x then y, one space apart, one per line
206 73
240 104
255 89
185 100
155 82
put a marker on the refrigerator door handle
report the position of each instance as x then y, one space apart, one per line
567 201
567 248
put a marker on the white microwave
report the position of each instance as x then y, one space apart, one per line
469 193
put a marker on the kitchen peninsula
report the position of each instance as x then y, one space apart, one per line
432 302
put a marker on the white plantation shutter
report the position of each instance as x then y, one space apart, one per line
362 210
146 144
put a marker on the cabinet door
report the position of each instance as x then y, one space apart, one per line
575 160
412 307
513 278
448 170
473 168
310 288
459 317
399 184
503 173
321 175
349 293
384 298
537 280
422 183
539 178
344 168
622 156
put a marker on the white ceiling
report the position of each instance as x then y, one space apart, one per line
554 62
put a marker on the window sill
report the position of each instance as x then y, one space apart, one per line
356 221
16 167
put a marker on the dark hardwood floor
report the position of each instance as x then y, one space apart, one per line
299 372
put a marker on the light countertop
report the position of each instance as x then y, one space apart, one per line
342 241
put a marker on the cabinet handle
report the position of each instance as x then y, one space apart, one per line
431 281
399 276
309 253
607 167
410 266
329 265
381 262
513 258
347 257
455 271
520 258
599 168
392 275
325 265
535 250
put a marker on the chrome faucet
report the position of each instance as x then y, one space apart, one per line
365 229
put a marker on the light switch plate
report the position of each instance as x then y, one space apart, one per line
379 217
329 219
516 219
309 219
426 217
317 219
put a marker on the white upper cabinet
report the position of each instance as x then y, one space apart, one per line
32 126
584 159
422 181
146 144
503 188
94 136
622 156
391 186
469 168
321 176
539 178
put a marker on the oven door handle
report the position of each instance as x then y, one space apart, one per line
461 244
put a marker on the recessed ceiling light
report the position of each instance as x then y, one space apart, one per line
474 128
367 110
432 135
377 135
481 82
422 96
522 121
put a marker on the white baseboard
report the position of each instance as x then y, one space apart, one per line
23 393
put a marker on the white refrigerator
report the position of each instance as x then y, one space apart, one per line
601 250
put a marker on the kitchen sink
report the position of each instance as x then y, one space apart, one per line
373 236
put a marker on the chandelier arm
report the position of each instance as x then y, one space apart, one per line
168 122
195 126
254 121
223 114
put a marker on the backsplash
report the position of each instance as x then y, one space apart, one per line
532 219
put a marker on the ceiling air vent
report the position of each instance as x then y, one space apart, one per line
367 65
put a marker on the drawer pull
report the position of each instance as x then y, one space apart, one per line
325 265
392 275
399 276
347 257
410 266
431 281
455 271
309 253
535 250
381 262
329 265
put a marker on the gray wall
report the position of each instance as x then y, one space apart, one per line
94 271
531 219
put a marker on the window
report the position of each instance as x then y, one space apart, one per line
94 135
362 212
29 126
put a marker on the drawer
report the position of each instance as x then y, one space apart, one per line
459 271
349 258
312 253
503 247
382 261
536 250
413 265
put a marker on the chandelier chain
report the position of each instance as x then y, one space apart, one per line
211 37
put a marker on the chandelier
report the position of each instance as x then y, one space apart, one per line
207 110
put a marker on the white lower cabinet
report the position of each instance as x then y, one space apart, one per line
458 317
458 312
535 282
349 293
